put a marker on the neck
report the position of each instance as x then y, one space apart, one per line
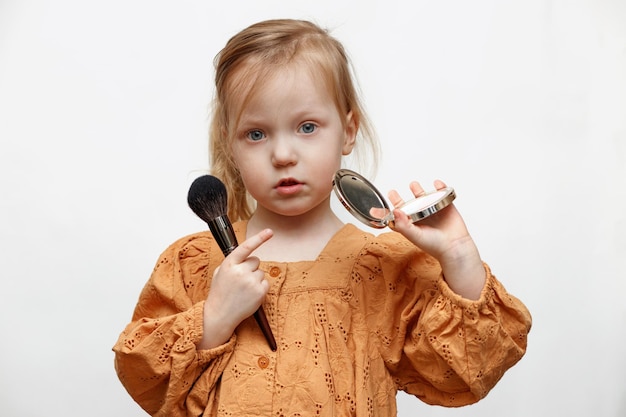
296 238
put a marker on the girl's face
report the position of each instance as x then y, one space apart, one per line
290 141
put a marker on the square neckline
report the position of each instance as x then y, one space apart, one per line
241 228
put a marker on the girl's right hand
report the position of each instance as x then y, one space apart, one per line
238 289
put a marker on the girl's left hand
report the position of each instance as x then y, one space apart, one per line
444 235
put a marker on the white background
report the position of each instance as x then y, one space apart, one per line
520 105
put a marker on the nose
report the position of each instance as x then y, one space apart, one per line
284 152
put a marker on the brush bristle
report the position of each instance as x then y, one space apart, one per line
208 198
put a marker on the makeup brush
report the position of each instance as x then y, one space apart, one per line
208 198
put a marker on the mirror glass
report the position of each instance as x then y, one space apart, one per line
361 198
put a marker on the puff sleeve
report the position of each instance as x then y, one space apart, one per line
438 346
155 356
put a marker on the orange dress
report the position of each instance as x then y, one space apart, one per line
370 316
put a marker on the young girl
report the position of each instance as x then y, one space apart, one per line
356 317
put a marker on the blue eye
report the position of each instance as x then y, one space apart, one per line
308 128
255 135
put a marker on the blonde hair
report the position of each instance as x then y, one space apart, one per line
250 57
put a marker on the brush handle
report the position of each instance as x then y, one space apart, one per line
261 320
223 232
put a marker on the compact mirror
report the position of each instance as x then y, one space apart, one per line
367 204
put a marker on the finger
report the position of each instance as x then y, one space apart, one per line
439 185
252 262
416 189
265 285
243 251
395 198
401 220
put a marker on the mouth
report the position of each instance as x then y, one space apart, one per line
287 182
288 186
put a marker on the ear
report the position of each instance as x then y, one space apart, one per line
352 126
